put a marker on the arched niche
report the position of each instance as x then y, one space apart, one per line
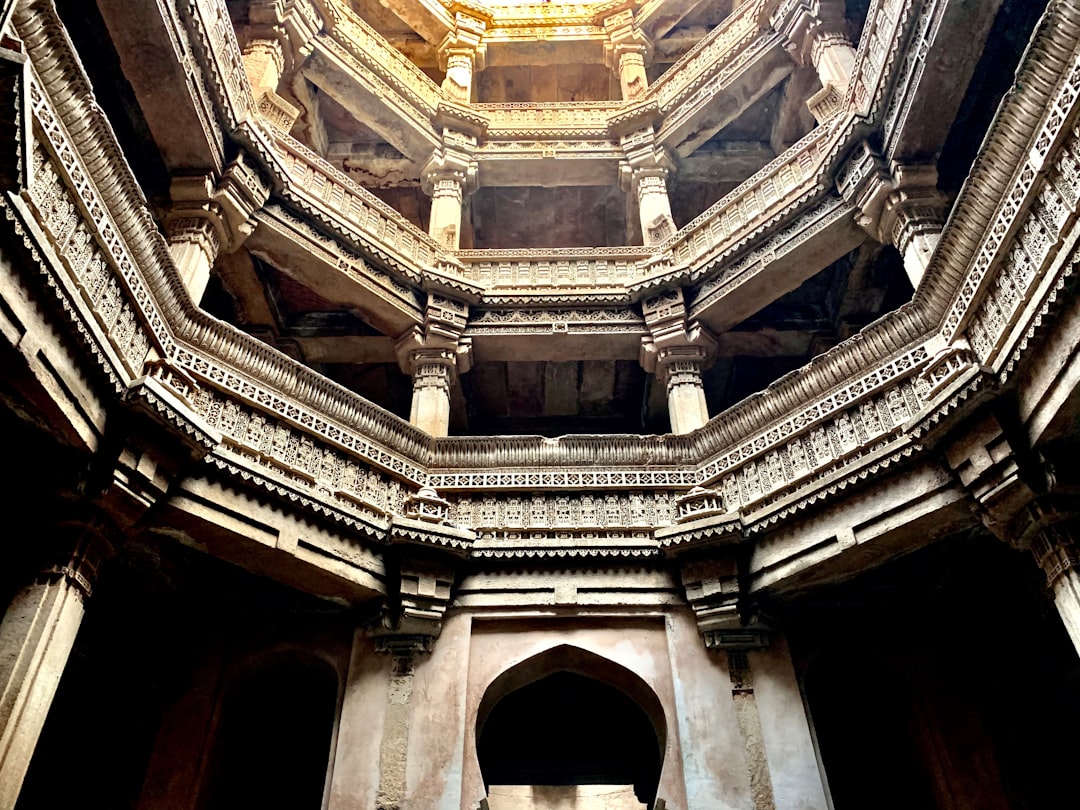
568 716
272 743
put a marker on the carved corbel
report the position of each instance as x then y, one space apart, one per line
708 544
426 551
999 474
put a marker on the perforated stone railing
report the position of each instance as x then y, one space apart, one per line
851 411
719 47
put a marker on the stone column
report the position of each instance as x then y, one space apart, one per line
643 175
36 637
434 355
448 177
654 206
432 373
680 370
446 202
898 204
210 214
1058 554
677 352
462 54
816 35
194 244
627 52
915 218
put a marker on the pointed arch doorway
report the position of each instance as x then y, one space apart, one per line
572 730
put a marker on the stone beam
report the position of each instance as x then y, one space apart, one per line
259 537
657 18
284 245
723 305
698 120
724 161
347 349
374 165
429 18
932 100
148 58
674 46
364 101
886 519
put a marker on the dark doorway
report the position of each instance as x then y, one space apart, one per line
567 728
273 742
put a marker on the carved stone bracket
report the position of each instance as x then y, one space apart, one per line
426 551
707 543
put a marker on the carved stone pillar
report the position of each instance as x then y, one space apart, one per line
426 572
211 214
677 352
643 174
654 205
194 244
627 52
898 204
433 374
915 218
447 177
36 636
1058 554
434 356
680 369
816 35
462 54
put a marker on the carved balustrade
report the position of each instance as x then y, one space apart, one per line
851 413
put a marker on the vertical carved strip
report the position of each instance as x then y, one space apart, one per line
757 764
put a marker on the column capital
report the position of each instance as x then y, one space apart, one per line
807 25
227 201
452 161
673 340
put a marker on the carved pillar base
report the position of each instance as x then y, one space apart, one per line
36 637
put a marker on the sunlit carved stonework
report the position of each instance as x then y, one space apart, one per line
618 404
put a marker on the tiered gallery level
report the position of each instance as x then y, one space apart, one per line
602 405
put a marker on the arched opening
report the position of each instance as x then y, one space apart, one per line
272 744
568 717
